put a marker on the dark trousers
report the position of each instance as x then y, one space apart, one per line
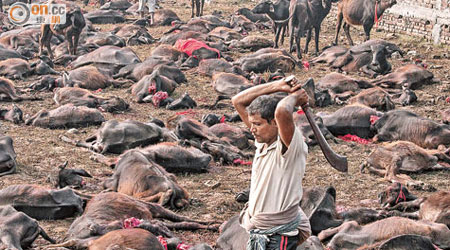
281 242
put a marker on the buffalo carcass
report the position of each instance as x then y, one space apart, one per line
14 68
267 59
350 235
71 177
410 76
137 176
225 34
8 92
133 34
405 125
174 158
360 12
14 114
229 84
211 66
317 203
82 97
252 43
302 123
105 16
445 114
108 58
7 156
352 119
165 17
42 203
340 87
18 230
71 29
376 98
116 137
434 208
108 211
66 116
393 160
89 77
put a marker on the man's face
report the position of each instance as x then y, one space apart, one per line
263 131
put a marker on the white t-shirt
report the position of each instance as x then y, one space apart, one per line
276 182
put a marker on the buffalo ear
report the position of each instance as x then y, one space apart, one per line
272 8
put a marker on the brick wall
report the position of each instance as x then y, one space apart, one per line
428 19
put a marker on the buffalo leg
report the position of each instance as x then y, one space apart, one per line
10 242
291 36
190 226
76 38
69 42
201 9
1 5
11 171
367 28
159 211
192 5
45 235
45 35
297 43
197 6
316 38
277 35
283 32
325 234
308 39
339 19
347 33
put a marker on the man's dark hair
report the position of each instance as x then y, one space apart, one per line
265 106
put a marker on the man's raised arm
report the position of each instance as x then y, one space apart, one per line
245 98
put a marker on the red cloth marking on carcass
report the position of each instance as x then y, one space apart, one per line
401 195
276 77
373 119
300 112
190 45
162 241
187 112
306 65
98 91
354 138
222 120
183 246
242 162
131 223
158 97
447 99
151 89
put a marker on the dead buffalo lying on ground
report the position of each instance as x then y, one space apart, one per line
89 77
252 43
393 160
105 16
107 211
7 156
168 52
268 59
116 5
184 102
232 134
82 97
352 119
183 35
137 176
410 76
8 92
14 114
230 84
103 39
18 231
225 34
435 208
109 58
165 17
116 137
350 235
66 116
376 98
405 125
317 203
41 203
14 68
302 123
340 87
404 242
211 66
71 177
174 158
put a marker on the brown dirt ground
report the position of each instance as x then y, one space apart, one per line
39 151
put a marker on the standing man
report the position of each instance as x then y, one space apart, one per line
151 9
273 216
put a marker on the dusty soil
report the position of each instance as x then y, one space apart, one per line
39 151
